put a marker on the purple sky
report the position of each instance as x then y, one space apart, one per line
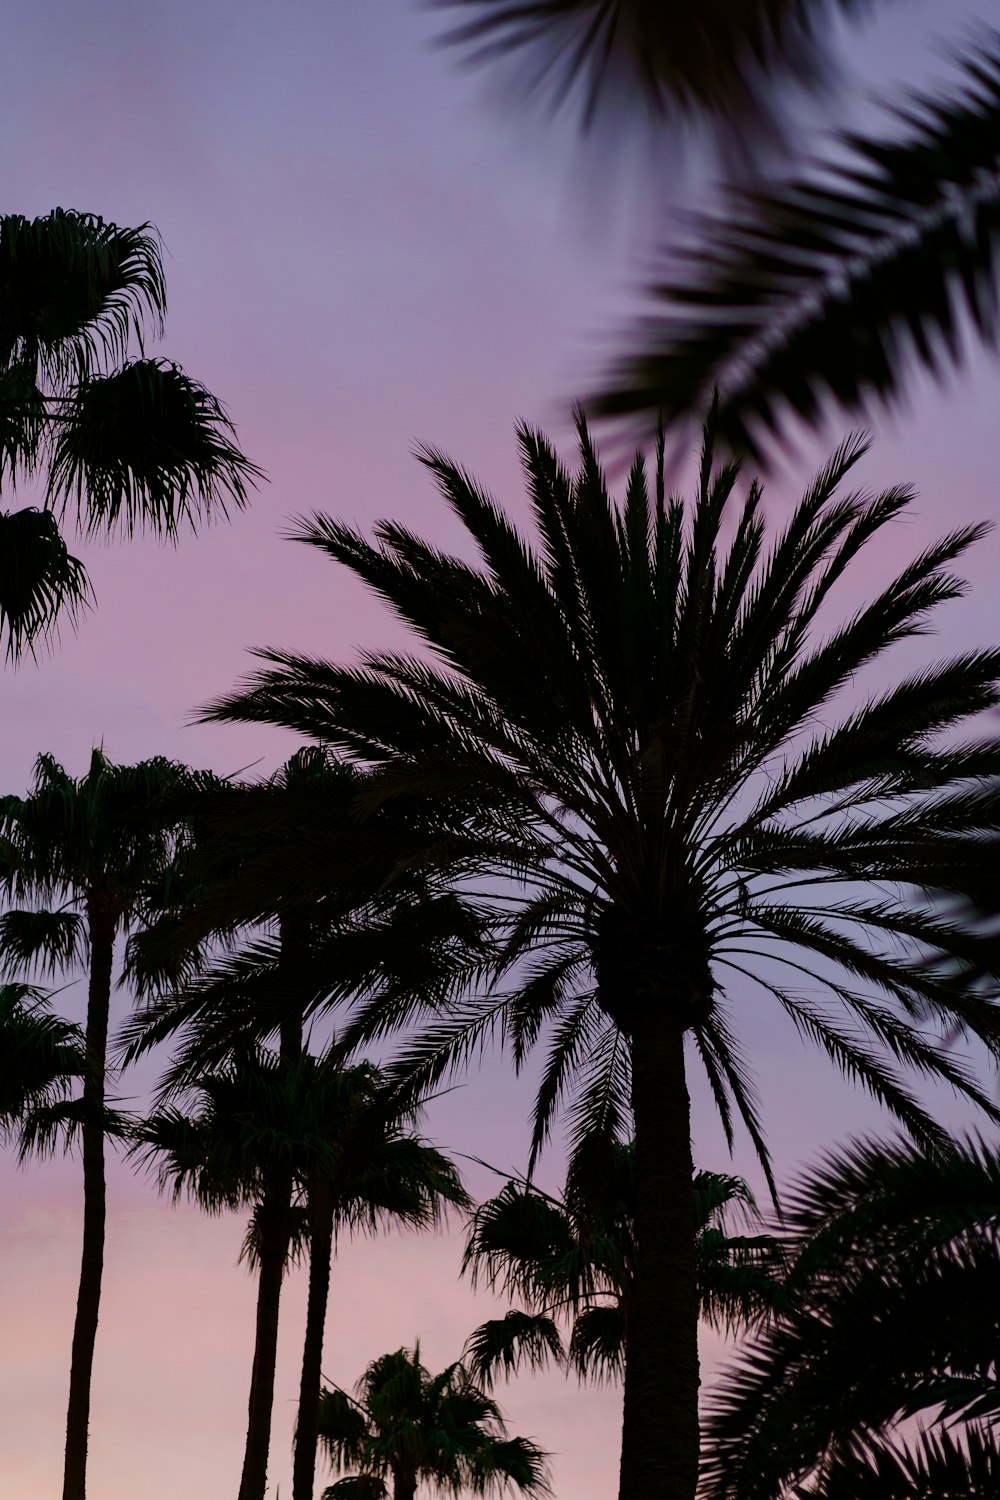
362 253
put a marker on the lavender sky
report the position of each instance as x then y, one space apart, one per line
363 252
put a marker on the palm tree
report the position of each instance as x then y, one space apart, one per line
80 855
574 1258
41 1057
892 1299
619 722
413 1427
122 444
332 1131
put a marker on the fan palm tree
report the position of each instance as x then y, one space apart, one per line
833 290
121 444
620 722
574 1258
891 1312
41 1059
80 854
354 1163
413 1427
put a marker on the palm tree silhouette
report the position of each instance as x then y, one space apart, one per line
82 854
620 721
331 1130
121 444
413 1427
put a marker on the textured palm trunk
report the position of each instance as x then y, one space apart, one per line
101 931
404 1485
660 1436
273 1253
307 1426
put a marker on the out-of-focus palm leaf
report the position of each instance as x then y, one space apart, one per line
40 582
146 448
838 286
723 61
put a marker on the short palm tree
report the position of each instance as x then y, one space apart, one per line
42 1059
411 1428
891 1312
620 720
120 443
335 1134
76 858
573 1260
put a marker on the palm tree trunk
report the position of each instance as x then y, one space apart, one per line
307 1427
404 1485
660 1435
101 928
275 1212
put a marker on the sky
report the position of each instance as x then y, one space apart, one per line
364 251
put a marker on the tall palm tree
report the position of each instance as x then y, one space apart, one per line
891 1312
354 1164
574 1259
413 1427
80 854
620 721
119 443
41 1059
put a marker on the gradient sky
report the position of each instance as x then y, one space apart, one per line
363 252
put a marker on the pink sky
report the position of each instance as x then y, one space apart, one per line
362 254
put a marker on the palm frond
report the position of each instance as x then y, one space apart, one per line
830 290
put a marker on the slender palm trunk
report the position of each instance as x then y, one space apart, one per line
101 926
660 1428
274 1233
307 1426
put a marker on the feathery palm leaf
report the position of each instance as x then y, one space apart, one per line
896 1245
834 288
